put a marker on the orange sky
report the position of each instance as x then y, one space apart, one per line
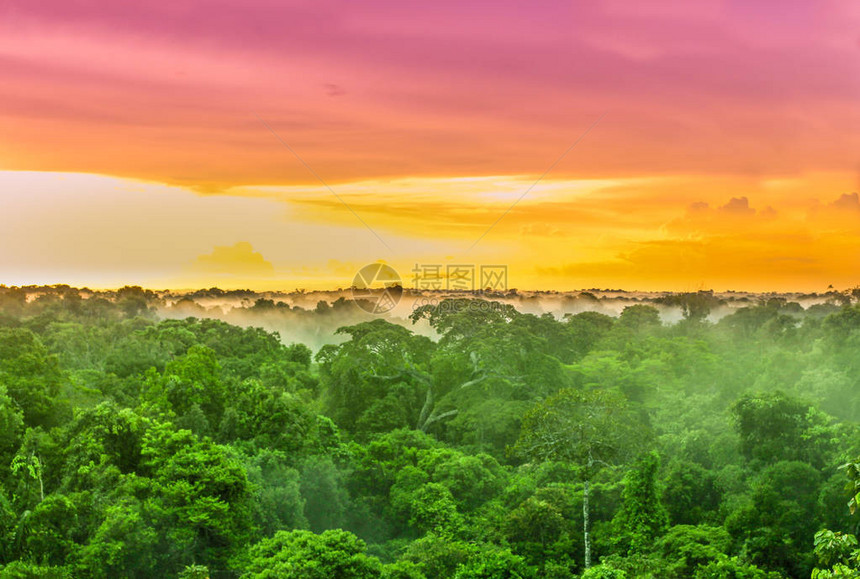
132 148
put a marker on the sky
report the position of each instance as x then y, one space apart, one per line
277 144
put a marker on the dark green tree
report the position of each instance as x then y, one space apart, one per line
642 518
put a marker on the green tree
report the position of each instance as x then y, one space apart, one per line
489 361
324 493
642 518
639 317
838 554
32 377
590 428
586 330
691 493
494 563
438 556
304 555
780 517
774 426
124 545
278 502
433 509
376 380
685 547
732 568
200 498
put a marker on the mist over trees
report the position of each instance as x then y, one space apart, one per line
616 438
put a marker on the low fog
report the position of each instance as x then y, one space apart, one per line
312 317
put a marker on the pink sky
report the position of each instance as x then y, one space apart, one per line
707 92
164 90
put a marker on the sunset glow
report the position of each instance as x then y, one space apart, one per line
135 143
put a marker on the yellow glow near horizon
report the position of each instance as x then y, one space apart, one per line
645 233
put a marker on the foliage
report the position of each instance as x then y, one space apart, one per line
304 555
642 518
482 441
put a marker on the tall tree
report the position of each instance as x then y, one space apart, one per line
592 428
642 518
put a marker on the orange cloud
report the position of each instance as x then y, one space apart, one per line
239 260
848 201
735 246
